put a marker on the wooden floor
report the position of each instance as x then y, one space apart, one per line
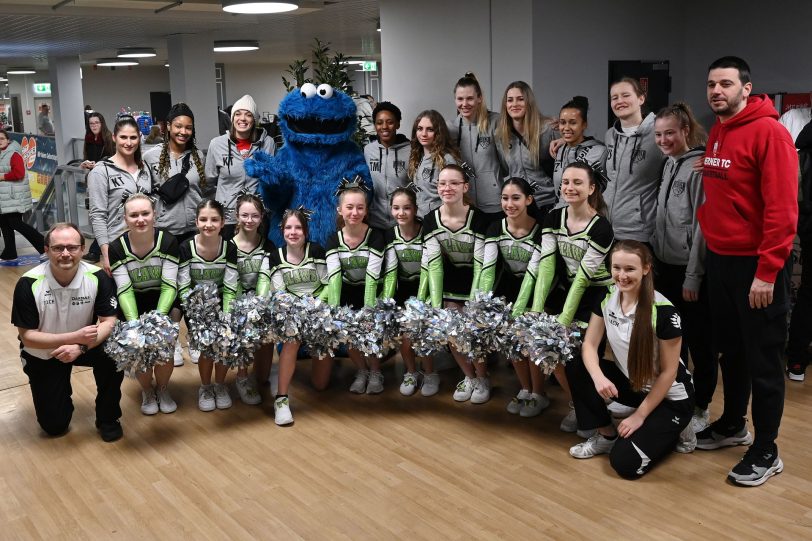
365 467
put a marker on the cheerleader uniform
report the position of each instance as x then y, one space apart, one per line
145 283
452 260
222 270
249 264
579 257
353 273
402 265
304 278
505 263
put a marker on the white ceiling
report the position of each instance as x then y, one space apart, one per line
31 30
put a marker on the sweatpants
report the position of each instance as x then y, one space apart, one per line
696 328
51 389
800 326
13 221
751 344
633 456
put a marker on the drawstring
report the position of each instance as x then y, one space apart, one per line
459 137
635 146
228 163
614 154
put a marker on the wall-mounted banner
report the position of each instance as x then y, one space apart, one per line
39 156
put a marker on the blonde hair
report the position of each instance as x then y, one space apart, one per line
534 121
482 120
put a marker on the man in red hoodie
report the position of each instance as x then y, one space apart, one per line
749 220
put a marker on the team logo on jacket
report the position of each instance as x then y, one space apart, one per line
678 188
399 166
638 155
375 166
484 142
427 174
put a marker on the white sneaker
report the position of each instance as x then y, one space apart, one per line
205 398
359 384
687 440
149 402
247 390
516 403
482 391
596 445
221 397
464 389
375 382
178 354
534 405
570 424
700 421
281 411
165 402
409 384
194 354
620 411
431 384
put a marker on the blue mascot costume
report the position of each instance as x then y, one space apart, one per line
317 124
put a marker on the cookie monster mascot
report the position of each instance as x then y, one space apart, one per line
317 124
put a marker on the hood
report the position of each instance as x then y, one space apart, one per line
645 127
317 120
758 106
13 146
400 142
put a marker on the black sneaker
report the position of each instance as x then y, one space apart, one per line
756 466
795 371
109 430
717 436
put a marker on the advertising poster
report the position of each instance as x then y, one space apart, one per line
39 156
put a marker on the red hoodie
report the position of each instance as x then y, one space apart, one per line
751 188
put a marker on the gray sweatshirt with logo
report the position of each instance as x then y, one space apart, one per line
388 167
425 178
107 187
479 151
519 163
179 217
589 151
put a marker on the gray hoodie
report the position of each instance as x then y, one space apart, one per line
179 217
589 151
633 165
677 238
107 187
225 169
389 170
519 163
425 178
479 151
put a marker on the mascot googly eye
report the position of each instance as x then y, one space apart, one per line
325 91
308 90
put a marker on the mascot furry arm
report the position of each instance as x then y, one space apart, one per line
317 125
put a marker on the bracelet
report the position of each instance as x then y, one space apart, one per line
82 349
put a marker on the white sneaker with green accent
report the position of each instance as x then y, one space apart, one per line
464 389
221 397
165 402
431 384
149 402
375 383
516 403
281 411
409 384
534 405
482 391
248 392
205 398
359 384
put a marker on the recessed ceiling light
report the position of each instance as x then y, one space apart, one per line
235 46
257 6
21 71
115 62
137 52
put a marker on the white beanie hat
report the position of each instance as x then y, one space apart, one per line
246 103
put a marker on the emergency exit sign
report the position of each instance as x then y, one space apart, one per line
42 88
369 65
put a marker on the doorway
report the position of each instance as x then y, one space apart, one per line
654 77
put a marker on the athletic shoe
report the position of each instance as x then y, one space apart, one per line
281 411
795 372
687 440
221 397
570 422
431 384
516 403
359 384
756 466
464 389
92 257
165 401
149 402
482 391
620 411
109 430
596 445
205 398
375 382
709 439
247 390
194 355
178 359
534 405
409 384
700 421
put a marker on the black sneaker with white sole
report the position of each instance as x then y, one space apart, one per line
756 466
717 436
795 371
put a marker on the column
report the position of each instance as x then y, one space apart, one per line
192 81
68 114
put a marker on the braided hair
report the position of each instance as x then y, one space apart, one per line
191 144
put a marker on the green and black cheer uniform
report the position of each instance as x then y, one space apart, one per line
401 264
304 278
452 260
505 262
145 283
222 270
249 264
580 257
353 273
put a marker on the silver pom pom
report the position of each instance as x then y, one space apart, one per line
138 345
375 330
543 340
482 326
425 326
201 308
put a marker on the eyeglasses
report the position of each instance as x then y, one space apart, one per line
71 248
449 184
246 217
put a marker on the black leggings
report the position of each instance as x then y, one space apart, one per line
11 222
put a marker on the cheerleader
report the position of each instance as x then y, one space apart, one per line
576 147
575 239
144 263
251 251
207 257
453 246
404 249
432 150
509 246
354 262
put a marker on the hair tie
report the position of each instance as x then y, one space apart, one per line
138 191
357 182
468 171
